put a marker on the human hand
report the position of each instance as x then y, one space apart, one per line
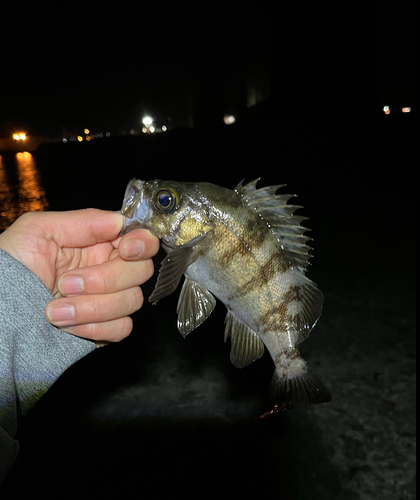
92 272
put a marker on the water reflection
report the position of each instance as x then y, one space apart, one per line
6 199
20 188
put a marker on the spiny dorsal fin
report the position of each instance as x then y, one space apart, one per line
279 217
246 346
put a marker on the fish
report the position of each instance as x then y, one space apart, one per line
247 248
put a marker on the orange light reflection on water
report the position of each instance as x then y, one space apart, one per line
27 196
6 199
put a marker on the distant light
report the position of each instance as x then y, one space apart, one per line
387 110
131 132
147 120
152 129
144 130
229 119
79 138
21 136
164 129
86 131
64 140
108 134
406 110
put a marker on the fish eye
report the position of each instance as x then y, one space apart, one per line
166 199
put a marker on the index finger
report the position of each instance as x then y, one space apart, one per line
128 245
81 228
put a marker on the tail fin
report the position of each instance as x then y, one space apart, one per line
290 391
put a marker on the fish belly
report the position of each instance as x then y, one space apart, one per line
251 280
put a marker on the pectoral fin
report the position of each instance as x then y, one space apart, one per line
173 267
246 345
195 305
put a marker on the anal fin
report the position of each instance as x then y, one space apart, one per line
246 346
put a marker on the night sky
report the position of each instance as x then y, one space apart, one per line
89 65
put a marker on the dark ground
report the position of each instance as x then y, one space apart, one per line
158 416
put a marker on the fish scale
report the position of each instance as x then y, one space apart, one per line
246 247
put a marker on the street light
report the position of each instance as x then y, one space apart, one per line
147 121
21 136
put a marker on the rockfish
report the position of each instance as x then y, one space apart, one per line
247 248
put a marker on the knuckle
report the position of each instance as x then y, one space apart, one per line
148 269
87 330
126 328
110 331
117 330
28 216
96 310
135 299
90 330
28 219
106 282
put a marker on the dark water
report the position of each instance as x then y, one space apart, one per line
355 179
160 413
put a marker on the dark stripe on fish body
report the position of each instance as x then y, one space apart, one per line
256 281
253 236
238 247
262 277
256 232
278 315
275 265
275 318
290 295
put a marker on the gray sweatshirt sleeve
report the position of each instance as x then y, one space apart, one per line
33 353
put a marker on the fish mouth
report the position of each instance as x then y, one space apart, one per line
132 196
134 215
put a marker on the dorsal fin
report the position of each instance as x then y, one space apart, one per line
279 217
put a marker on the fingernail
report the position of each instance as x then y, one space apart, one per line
134 248
72 284
61 312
